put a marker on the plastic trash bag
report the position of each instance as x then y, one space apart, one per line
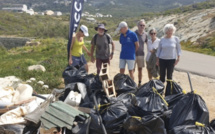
92 83
124 84
212 124
172 88
192 129
72 74
172 100
146 125
157 84
190 109
113 117
151 102
95 126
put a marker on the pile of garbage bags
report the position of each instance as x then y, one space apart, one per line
84 108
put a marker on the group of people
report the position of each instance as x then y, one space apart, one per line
162 54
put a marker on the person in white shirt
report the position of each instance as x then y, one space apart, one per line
168 53
152 46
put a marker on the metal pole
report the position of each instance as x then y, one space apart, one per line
190 82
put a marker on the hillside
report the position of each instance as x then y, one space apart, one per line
196 29
115 7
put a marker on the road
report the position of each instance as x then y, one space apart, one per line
192 62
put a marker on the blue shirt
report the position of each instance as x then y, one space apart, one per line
128 45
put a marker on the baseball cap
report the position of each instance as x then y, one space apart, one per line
121 25
85 30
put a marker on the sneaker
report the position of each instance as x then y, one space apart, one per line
139 84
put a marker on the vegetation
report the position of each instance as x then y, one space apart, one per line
51 53
24 25
205 45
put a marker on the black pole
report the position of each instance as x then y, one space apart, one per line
97 111
190 82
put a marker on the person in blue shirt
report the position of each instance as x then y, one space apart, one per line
130 44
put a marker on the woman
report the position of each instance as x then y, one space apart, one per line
168 53
152 46
76 56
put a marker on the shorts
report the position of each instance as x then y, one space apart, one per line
140 61
78 60
123 62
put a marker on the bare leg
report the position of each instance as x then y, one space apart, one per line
122 70
131 72
140 74
86 67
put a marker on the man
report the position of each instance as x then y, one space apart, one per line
142 37
101 41
129 42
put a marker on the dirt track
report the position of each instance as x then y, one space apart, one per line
204 86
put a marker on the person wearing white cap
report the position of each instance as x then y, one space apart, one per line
130 44
76 56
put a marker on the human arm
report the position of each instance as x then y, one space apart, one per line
92 50
136 46
112 52
88 52
178 50
158 53
70 54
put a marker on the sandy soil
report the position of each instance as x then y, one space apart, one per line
204 86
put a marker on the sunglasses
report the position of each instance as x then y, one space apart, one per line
142 25
152 33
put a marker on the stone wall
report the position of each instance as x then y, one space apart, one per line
11 42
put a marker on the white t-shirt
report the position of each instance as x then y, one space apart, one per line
151 46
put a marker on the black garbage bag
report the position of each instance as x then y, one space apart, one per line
113 117
31 128
151 102
72 74
157 84
101 99
146 125
95 125
172 88
82 126
212 124
124 84
92 83
191 129
130 100
190 109
172 100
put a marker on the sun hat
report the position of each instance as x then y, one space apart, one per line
102 26
85 30
121 25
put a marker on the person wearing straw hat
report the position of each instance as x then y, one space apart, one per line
76 56
101 42
129 44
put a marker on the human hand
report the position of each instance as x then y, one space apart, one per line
92 59
176 62
111 56
88 53
157 63
70 61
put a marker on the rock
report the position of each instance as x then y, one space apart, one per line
37 68
28 43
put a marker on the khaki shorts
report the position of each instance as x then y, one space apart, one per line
140 61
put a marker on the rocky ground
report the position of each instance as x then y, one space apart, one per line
202 85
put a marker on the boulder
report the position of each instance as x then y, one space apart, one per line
37 68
